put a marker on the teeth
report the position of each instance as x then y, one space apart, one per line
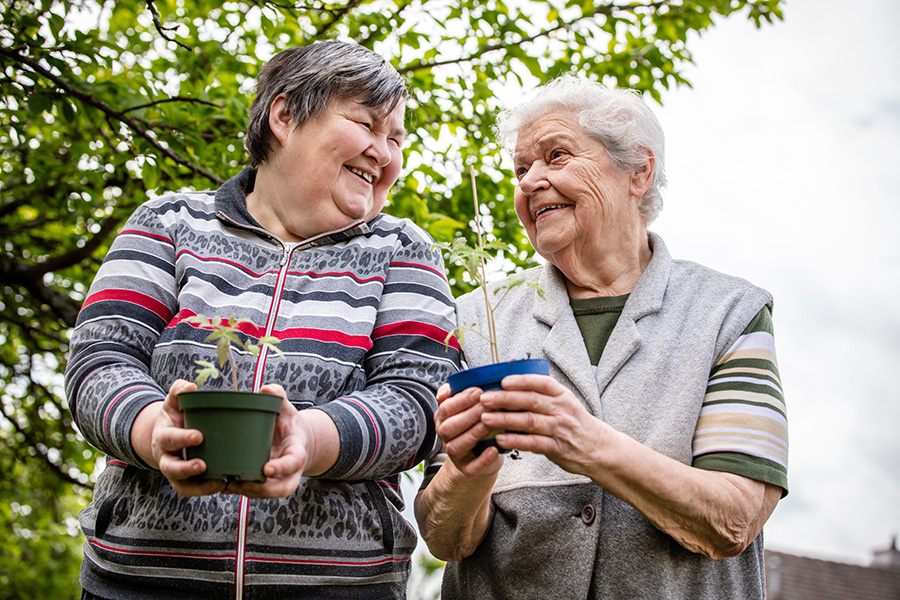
546 208
362 174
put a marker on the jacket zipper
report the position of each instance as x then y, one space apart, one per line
286 251
244 507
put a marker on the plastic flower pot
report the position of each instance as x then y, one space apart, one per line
237 430
488 377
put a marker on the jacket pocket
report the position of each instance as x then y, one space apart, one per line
384 514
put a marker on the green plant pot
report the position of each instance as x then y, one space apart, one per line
237 430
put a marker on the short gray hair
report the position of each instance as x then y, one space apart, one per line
313 76
618 118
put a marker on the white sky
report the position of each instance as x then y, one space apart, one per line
782 165
782 169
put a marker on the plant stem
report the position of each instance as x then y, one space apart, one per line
492 334
234 368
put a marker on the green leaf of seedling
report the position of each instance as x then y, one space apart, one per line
232 337
209 371
222 350
270 341
538 288
199 320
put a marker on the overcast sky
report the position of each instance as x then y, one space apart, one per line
782 164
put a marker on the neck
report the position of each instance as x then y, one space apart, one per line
613 275
262 204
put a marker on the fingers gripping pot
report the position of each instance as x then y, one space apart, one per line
488 377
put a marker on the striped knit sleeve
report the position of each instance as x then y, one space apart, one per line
388 427
131 299
742 427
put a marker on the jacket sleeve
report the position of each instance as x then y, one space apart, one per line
130 301
388 427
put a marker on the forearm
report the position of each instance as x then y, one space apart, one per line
454 512
106 401
712 513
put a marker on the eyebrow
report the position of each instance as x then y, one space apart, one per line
551 138
399 132
375 115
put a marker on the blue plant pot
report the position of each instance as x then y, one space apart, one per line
488 377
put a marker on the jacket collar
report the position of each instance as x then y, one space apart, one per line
556 313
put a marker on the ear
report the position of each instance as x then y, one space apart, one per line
280 121
642 178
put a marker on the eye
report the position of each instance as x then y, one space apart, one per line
521 172
366 124
558 153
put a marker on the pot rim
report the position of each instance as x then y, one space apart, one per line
495 372
229 399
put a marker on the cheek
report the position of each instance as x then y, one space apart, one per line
392 170
521 203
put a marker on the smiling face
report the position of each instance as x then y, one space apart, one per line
579 210
331 171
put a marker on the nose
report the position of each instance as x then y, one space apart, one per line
379 151
534 179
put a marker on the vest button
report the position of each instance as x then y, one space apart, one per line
587 514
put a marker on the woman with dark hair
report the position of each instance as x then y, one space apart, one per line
296 244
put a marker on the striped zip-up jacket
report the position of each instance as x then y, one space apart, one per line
362 315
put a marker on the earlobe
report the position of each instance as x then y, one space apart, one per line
280 121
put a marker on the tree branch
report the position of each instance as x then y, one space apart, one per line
604 9
33 331
297 6
162 30
110 112
336 15
77 255
172 99
42 452
16 272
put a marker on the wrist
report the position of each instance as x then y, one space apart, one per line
322 440
142 433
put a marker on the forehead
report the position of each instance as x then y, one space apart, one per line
550 128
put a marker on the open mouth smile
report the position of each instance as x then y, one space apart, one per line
367 177
544 209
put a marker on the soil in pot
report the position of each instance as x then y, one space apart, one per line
237 430
488 377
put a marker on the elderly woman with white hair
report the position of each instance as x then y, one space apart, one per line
651 456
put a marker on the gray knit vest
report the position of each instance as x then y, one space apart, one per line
649 384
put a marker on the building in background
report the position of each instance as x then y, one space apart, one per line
792 577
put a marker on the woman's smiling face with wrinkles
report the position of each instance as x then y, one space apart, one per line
341 165
575 204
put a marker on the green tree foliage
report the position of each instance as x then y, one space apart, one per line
105 104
